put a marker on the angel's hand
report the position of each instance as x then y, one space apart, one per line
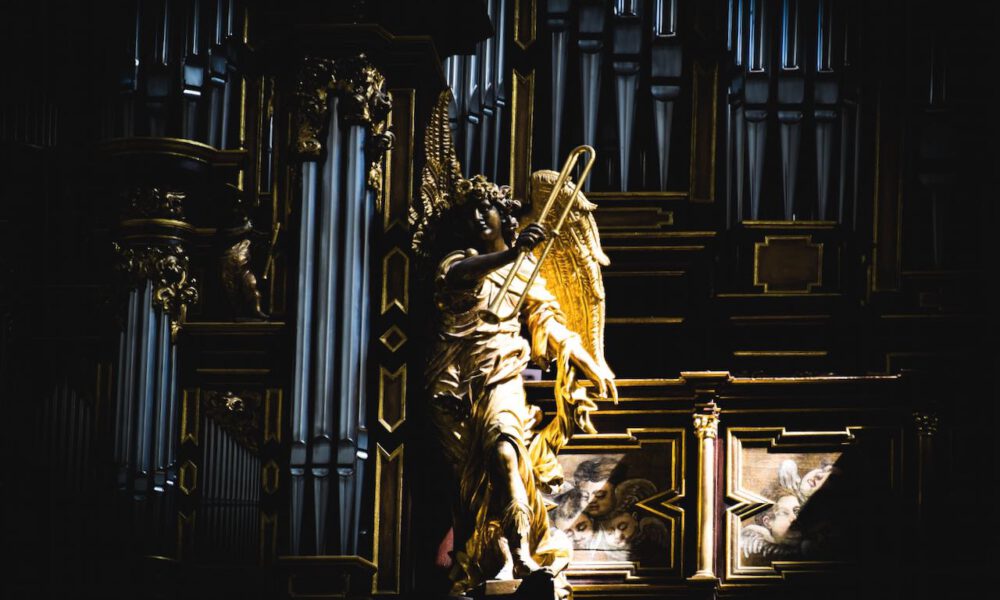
601 377
531 236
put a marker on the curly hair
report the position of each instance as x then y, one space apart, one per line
600 469
478 188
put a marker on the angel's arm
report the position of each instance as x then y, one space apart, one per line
472 269
600 376
549 337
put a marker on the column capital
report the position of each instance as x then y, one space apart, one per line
706 420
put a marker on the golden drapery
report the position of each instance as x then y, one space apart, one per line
477 401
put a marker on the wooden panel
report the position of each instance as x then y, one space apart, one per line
704 97
788 264
521 117
524 22
388 519
399 160
392 398
886 255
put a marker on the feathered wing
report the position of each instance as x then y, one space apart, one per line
438 179
572 270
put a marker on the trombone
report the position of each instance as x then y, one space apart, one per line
491 314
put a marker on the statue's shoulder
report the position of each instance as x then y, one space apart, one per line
452 258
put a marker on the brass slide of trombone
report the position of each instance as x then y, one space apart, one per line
491 314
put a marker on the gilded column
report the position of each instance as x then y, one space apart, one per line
706 429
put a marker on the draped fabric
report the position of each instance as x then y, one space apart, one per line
477 400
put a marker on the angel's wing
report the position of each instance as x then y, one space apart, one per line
755 539
438 179
788 475
573 268
653 531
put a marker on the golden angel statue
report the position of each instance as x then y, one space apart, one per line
503 456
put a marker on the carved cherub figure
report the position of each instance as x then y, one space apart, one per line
237 276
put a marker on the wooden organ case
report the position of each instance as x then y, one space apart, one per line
214 325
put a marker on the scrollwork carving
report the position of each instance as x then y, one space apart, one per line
167 268
153 202
360 86
238 415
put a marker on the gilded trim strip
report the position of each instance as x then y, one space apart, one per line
521 117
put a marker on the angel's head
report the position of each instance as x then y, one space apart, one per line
620 528
815 478
780 517
631 491
489 211
568 517
596 479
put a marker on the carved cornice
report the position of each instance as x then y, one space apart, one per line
360 87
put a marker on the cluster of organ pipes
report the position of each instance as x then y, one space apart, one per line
180 75
791 67
229 513
329 435
145 444
630 40
479 95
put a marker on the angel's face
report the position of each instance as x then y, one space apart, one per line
579 530
783 514
813 480
484 220
621 528
600 497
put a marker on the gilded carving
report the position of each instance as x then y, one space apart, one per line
153 202
238 279
491 280
187 477
706 424
237 414
364 101
167 268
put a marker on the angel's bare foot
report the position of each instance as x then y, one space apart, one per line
524 565
506 572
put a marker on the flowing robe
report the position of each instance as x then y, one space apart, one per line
477 401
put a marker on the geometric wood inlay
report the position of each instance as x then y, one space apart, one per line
521 111
524 23
190 403
395 281
399 160
393 338
392 398
272 415
386 552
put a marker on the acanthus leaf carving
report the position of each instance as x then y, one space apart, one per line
360 87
